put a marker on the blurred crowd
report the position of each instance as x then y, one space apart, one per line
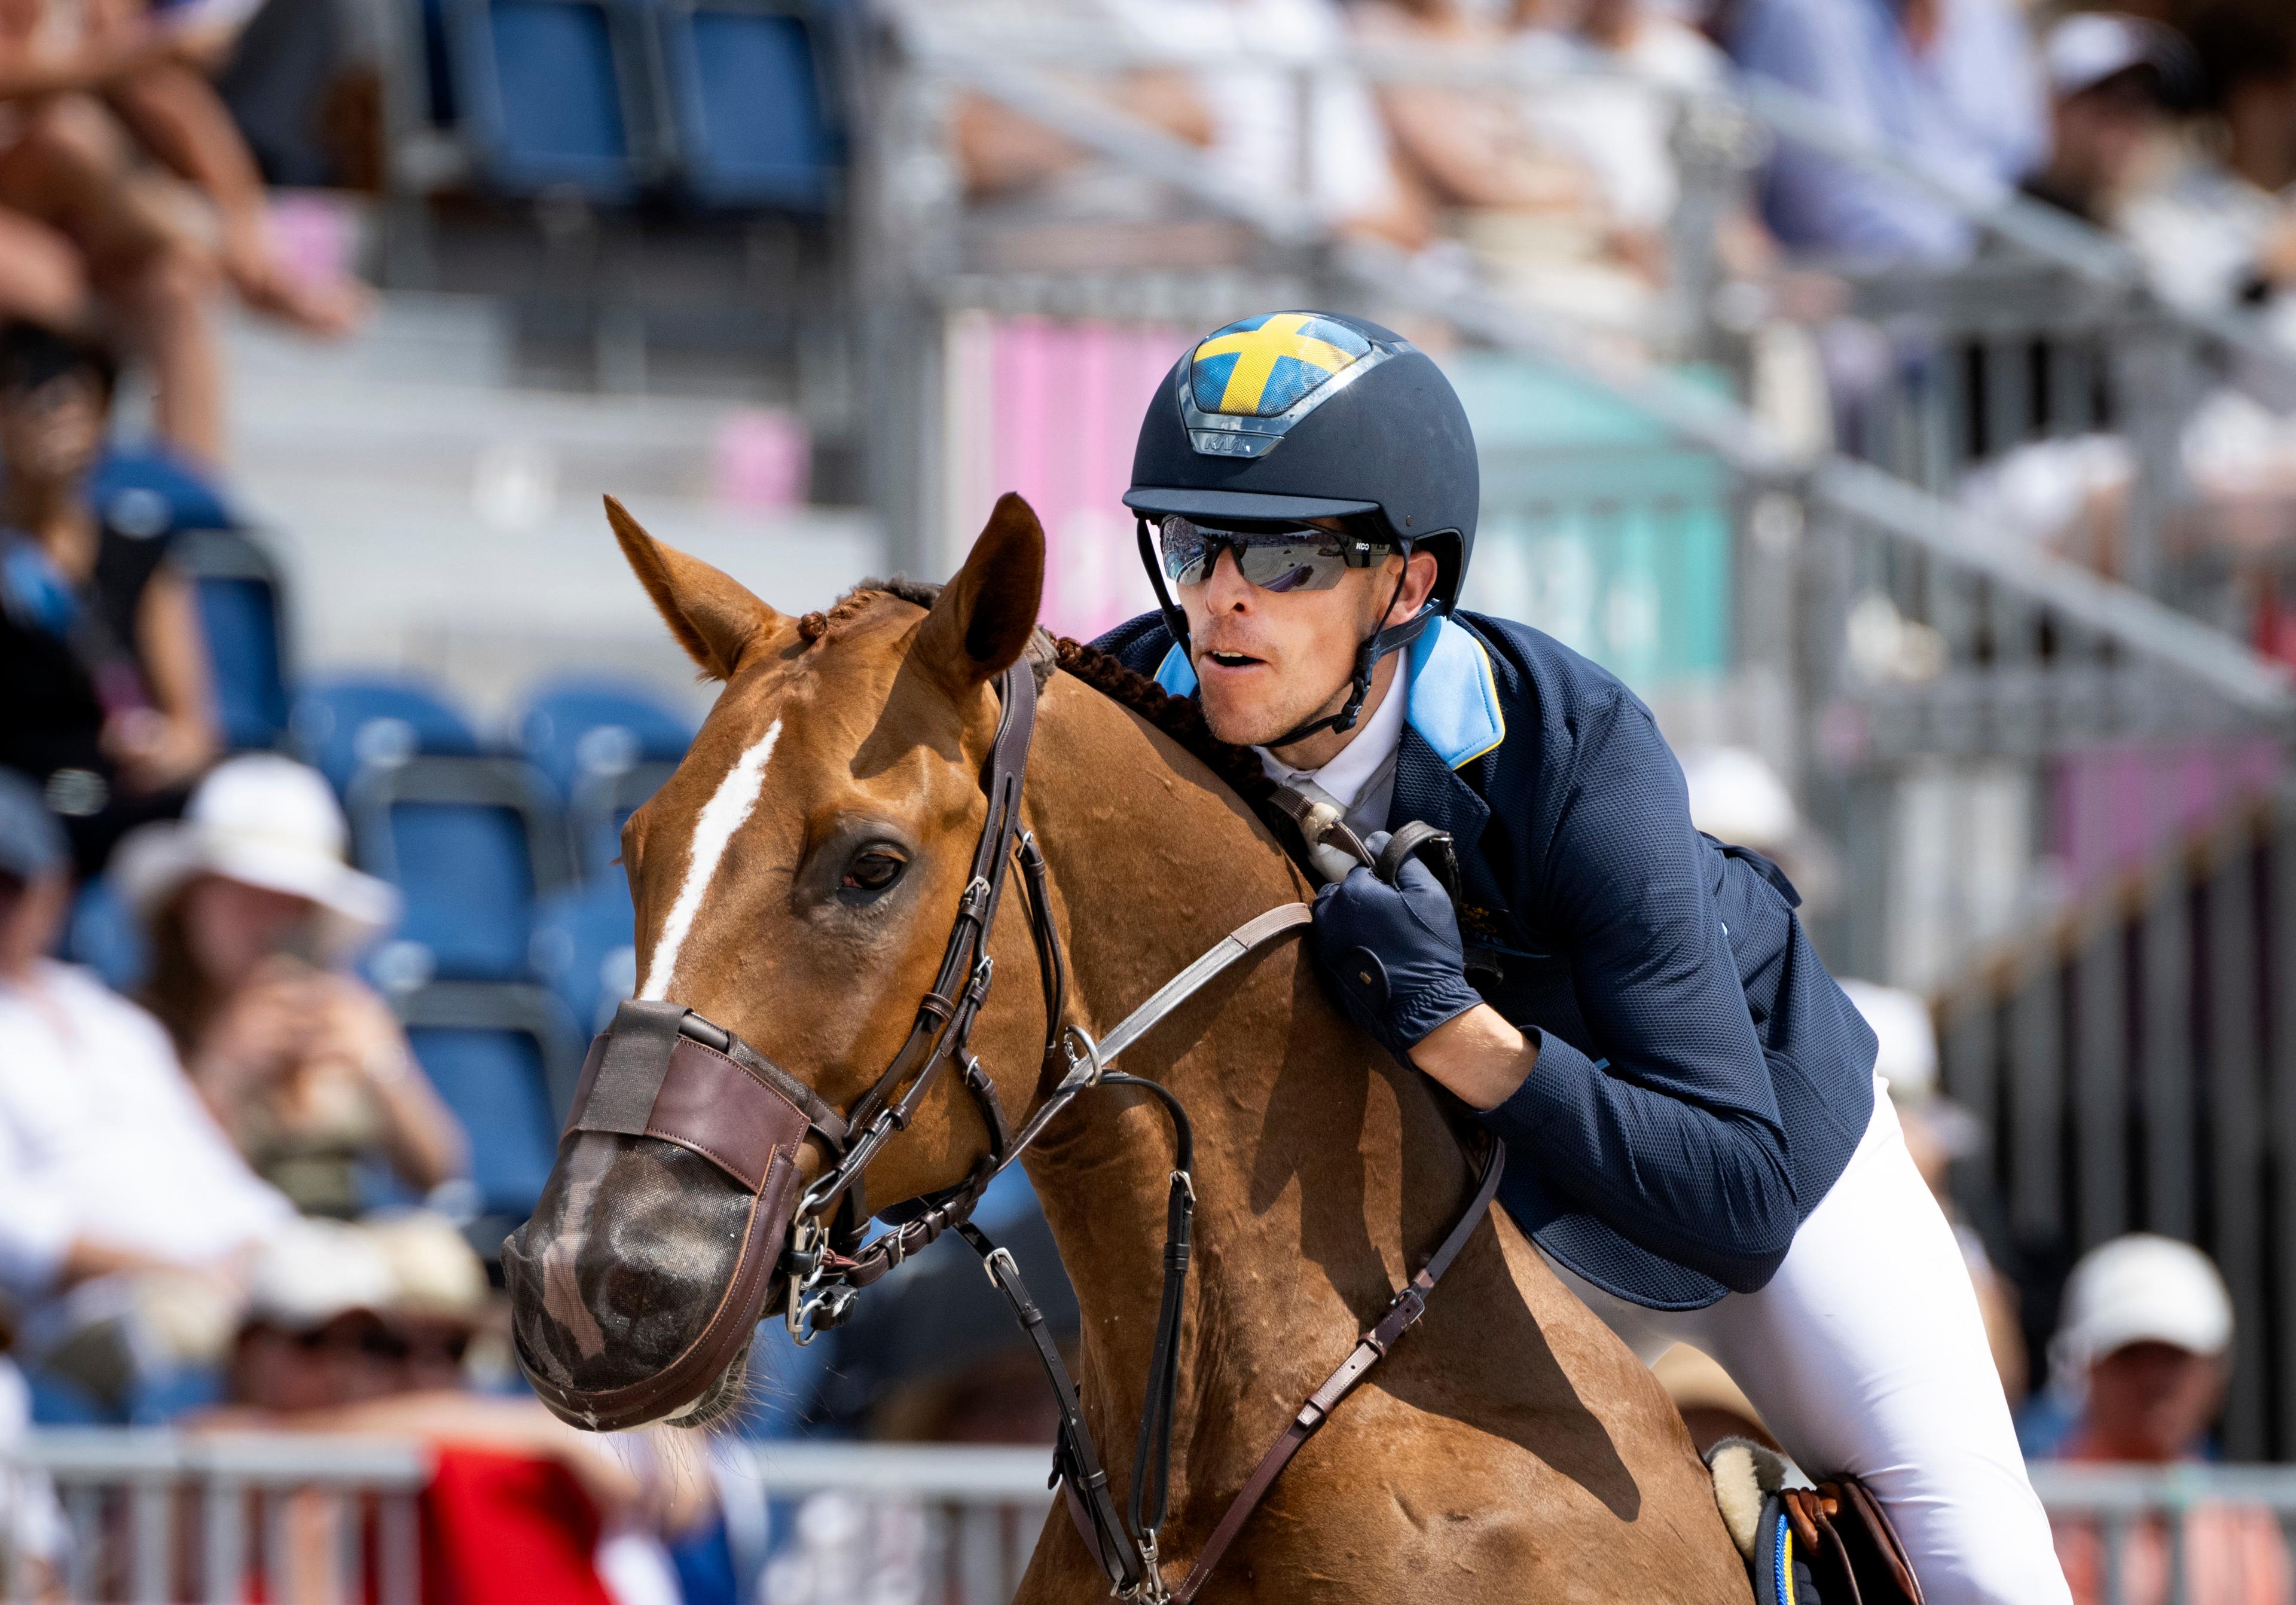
188 1177
1566 166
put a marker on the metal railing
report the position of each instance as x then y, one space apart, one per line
154 1515
912 1524
150 1516
2137 1064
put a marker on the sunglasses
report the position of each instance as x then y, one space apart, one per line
1297 557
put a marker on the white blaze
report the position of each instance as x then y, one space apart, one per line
736 797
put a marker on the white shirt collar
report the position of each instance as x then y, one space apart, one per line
1361 759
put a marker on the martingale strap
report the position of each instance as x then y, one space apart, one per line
1402 1314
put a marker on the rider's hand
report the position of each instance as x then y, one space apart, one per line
1392 954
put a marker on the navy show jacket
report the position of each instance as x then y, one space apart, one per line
1700 1080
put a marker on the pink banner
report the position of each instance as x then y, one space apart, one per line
1051 408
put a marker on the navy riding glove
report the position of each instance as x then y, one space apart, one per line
1392 954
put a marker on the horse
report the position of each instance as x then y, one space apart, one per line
794 881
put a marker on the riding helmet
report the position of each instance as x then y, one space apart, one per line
1296 415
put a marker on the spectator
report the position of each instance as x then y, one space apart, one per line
1949 85
341 1335
2113 82
2220 233
1240 97
2145 1349
123 1211
109 706
174 112
250 906
1938 1131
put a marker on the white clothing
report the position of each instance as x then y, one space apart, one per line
1361 779
1866 1354
1611 109
1255 108
101 1137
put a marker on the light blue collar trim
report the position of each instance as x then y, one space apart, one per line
1454 698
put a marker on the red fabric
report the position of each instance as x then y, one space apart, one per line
503 1529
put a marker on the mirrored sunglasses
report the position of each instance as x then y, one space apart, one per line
1297 557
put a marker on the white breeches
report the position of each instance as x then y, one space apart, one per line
1866 1354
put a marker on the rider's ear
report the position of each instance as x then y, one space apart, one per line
981 625
713 617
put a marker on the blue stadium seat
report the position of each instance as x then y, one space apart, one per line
503 1059
552 94
104 935
243 617
606 748
747 105
145 491
343 728
585 948
471 843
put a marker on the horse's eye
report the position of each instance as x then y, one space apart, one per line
872 870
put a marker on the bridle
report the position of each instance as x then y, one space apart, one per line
663 1071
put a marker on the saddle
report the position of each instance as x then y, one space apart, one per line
1831 1545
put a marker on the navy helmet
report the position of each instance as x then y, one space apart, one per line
1297 415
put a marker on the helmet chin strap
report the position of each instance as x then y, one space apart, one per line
1383 641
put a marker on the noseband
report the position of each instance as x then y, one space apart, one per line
660 1071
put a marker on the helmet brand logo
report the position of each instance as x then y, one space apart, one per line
1261 367
1242 389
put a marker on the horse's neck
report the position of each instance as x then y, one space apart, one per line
1320 1164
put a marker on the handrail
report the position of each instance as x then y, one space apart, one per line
2144 626
2043 232
962 1473
282 1459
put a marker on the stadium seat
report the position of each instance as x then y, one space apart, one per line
606 748
747 103
105 936
585 948
552 94
471 843
242 614
146 491
343 728
504 1060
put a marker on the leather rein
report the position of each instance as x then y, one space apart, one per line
828 1263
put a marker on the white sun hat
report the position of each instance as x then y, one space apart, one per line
263 821
2142 1289
313 1270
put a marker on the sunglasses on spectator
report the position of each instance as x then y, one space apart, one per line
1295 557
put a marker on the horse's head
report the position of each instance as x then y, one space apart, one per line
795 883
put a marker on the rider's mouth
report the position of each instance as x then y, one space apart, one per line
1232 659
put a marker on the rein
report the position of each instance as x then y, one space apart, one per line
656 1072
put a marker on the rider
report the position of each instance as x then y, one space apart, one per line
1698 1147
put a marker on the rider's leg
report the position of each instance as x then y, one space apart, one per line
1866 1354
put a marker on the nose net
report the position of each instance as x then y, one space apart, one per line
629 1254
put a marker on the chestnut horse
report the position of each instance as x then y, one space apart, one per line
795 881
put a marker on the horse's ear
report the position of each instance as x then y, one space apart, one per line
714 616
981 623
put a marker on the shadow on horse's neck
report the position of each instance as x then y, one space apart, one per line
1322 1165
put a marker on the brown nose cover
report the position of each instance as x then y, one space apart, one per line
644 1078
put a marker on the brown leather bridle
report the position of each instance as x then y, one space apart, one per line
660 1071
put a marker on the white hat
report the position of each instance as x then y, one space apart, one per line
2141 1289
2085 49
263 821
1737 796
313 1270
1907 1061
434 1272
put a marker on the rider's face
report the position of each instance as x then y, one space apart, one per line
1268 662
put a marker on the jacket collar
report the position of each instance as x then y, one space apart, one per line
1452 703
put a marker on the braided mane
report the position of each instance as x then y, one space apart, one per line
1180 717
